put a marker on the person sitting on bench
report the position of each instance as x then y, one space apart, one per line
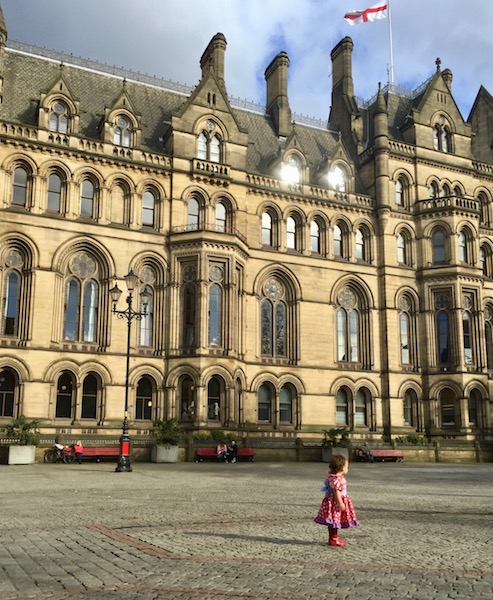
363 452
232 451
222 452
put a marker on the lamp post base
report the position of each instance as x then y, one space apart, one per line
124 463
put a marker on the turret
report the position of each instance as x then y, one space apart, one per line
213 58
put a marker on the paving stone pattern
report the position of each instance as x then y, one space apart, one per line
219 531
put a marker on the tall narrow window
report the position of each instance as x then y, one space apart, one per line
399 192
462 247
64 396
433 190
360 409
264 409
338 248
290 233
144 400
89 402
215 310
266 229
147 322
286 404
8 384
90 320
214 399
362 244
443 338
438 241
187 399
11 303
72 309
404 336
472 408
202 146
401 249
342 407
220 217
87 199
436 137
189 308
315 237
148 209
54 193
193 214
215 149
467 337
19 195
488 334
448 409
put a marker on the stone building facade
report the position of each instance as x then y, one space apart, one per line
300 276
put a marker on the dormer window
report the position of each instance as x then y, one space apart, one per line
291 169
209 145
59 117
338 179
122 132
442 139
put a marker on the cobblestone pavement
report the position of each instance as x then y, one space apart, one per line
240 532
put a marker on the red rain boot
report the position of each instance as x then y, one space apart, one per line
334 539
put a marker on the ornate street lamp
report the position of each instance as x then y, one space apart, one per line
129 314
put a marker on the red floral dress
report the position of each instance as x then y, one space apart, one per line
330 513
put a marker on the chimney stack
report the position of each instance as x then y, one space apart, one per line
277 103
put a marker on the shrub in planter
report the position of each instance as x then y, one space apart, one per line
24 436
167 434
335 441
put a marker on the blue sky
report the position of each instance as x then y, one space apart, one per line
167 37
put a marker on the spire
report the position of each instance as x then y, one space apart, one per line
381 105
3 27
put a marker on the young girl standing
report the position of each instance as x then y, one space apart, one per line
336 510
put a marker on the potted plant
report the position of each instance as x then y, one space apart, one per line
24 436
167 434
335 441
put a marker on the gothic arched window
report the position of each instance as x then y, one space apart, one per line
59 117
273 314
81 299
54 203
144 399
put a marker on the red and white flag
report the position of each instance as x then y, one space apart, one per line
378 11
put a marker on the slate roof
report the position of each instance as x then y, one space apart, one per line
26 76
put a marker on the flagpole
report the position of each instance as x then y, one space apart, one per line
391 68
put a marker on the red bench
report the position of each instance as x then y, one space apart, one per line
98 453
381 454
210 453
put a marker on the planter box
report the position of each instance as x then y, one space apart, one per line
17 455
327 452
163 454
